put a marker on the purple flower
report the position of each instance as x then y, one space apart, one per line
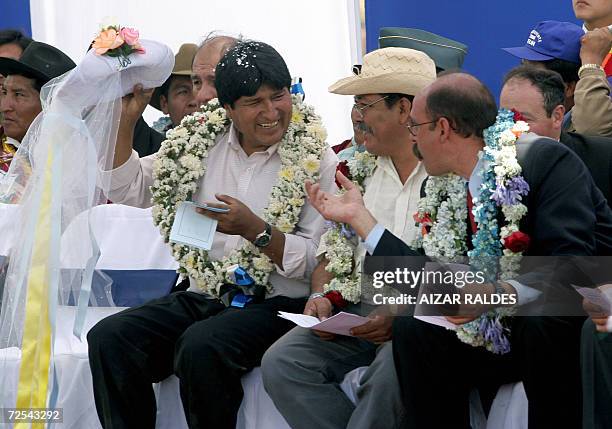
347 231
494 334
510 193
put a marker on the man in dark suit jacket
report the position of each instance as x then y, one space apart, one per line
538 95
567 215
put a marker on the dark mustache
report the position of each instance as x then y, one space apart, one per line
363 128
416 152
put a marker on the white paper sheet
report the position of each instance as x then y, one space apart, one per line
340 323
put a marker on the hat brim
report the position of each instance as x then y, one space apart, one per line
525 53
388 83
156 99
9 66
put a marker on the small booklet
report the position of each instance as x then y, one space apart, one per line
340 323
191 228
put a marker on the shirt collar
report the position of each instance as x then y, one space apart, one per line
234 142
476 178
12 141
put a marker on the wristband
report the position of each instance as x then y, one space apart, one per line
589 66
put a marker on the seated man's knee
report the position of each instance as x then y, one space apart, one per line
104 335
271 366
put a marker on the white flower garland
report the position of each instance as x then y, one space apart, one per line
181 162
340 241
442 214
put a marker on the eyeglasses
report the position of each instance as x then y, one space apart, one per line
414 128
359 109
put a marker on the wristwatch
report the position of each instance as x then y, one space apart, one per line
263 238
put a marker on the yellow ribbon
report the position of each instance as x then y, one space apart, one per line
36 348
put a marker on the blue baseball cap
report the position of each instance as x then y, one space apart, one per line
550 40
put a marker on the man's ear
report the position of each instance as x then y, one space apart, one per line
557 116
404 110
445 128
163 104
228 111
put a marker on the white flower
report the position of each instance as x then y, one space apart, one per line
311 164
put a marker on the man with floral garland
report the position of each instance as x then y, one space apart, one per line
248 158
302 371
563 214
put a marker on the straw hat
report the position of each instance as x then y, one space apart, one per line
389 70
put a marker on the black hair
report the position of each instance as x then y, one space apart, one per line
246 67
567 69
468 106
14 37
392 99
548 82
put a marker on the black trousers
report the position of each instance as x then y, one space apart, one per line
208 346
437 371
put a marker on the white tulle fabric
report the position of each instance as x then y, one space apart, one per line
78 127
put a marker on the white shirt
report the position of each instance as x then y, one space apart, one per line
391 202
249 179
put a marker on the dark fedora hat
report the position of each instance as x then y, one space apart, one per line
446 53
40 61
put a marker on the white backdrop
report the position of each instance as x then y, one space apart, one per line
316 37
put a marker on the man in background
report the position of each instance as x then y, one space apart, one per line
12 45
175 97
537 94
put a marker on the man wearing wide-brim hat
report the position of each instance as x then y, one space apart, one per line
20 103
302 371
175 97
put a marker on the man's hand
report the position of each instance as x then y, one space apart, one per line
596 46
240 220
133 105
377 329
468 312
597 314
322 309
346 208
460 320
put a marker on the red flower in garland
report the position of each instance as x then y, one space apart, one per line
518 116
343 168
517 241
425 221
336 299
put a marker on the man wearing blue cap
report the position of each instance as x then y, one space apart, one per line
557 46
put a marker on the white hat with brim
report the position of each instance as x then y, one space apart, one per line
388 71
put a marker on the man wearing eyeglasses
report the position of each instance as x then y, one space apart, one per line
302 371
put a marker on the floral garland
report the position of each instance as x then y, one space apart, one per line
442 216
340 240
181 162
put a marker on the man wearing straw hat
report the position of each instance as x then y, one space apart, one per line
302 371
